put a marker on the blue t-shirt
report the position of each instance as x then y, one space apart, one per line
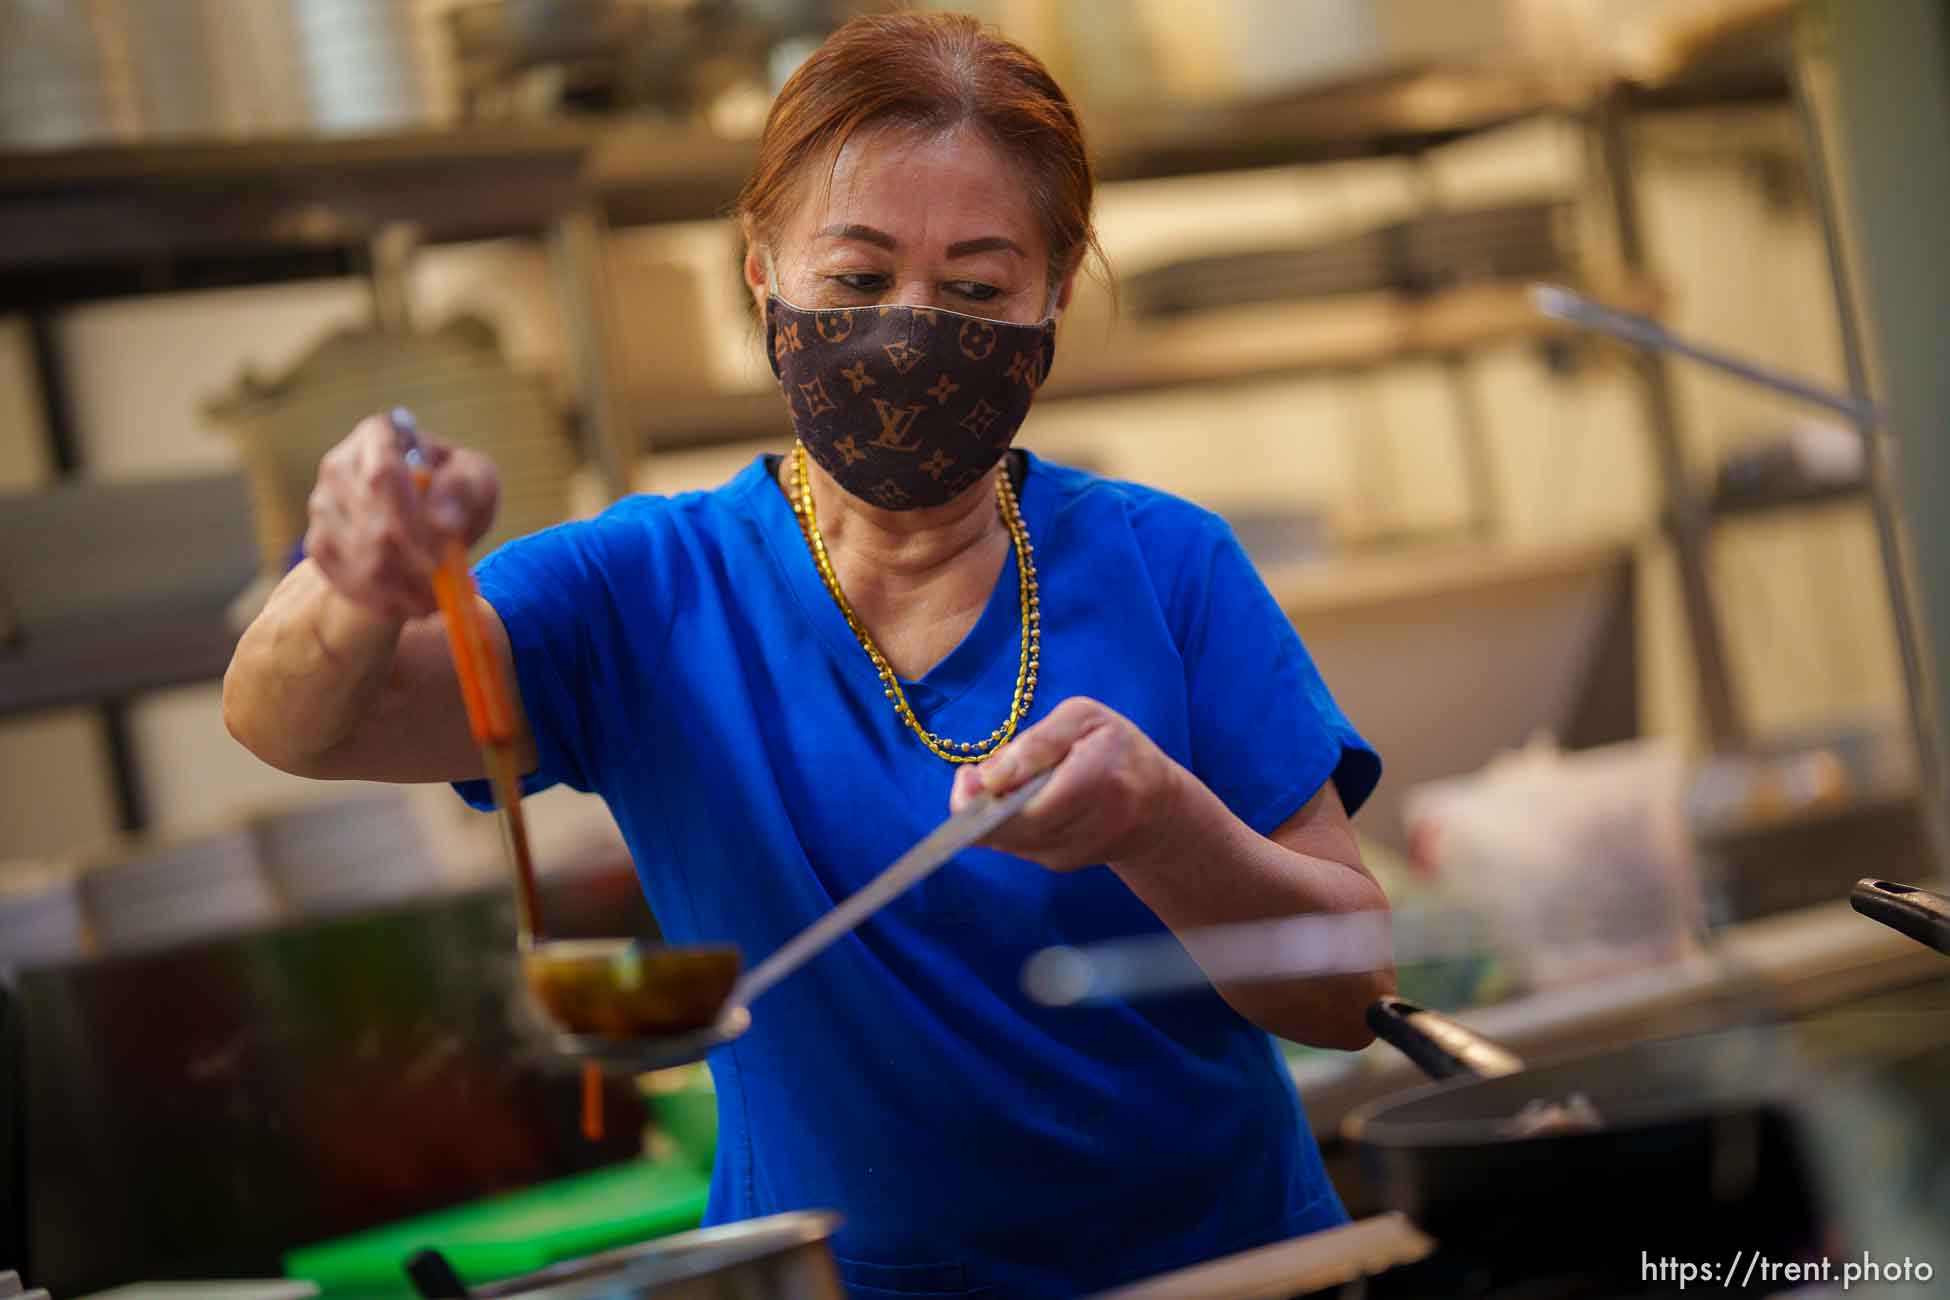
680 657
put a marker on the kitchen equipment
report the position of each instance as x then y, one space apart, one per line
1316 1262
485 694
10 1287
683 1106
1576 309
1870 421
41 918
1294 947
75 75
780 1257
270 1289
201 1109
514 1234
344 853
1699 1141
621 989
1417 255
455 377
982 814
1922 914
172 892
606 988
611 989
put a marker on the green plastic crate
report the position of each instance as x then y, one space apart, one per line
517 1232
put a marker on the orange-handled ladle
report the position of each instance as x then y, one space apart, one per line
613 988
483 690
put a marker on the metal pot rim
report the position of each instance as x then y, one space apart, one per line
758 1237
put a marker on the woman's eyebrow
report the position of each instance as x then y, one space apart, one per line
986 244
961 248
866 234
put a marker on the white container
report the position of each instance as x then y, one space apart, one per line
346 853
41 917
179 892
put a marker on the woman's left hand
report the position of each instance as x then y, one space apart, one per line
1112 789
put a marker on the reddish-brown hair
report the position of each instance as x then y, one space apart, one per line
934 72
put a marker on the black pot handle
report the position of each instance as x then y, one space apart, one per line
1921 914
434 1278
1442 1048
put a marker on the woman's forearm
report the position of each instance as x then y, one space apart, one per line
1205 867
306 670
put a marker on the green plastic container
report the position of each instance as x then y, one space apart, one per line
517 1232
684 1104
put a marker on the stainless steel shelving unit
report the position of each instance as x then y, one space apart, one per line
91 223
85 224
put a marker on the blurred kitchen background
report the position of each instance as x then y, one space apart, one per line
1638 609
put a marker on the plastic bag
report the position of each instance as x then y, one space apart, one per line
1582 858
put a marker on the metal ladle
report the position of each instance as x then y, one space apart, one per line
615 988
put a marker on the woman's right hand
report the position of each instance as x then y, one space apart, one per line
371 532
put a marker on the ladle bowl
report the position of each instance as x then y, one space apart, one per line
625 989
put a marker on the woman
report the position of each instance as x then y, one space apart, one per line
779 684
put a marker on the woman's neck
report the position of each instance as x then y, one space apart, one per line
918 579
901 548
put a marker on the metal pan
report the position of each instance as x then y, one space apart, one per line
1697 1149
780 1257
1922 914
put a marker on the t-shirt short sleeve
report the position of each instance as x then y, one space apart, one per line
542 586
1266 733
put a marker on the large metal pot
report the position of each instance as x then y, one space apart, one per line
781 1257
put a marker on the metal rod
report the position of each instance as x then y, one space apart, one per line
64 446
1687 515
131 804
390 258
1563 304
579 243
1478 447
1294 947
57 408
980 816
1880 455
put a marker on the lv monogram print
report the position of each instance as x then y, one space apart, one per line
905 406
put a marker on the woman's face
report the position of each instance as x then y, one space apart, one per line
917 219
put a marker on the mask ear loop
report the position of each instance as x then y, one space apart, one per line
771 277
766 324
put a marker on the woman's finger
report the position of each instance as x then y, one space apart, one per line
964 787
1057 826
462 497
1039 748
388 501
1093 806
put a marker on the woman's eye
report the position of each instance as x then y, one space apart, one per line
862 281
974 290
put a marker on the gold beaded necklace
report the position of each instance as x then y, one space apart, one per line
967 751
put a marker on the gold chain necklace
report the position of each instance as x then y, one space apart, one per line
967 751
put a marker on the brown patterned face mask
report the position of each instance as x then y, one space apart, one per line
905 406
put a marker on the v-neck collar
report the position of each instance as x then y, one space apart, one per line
997 630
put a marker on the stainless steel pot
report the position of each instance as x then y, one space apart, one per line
781 1257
